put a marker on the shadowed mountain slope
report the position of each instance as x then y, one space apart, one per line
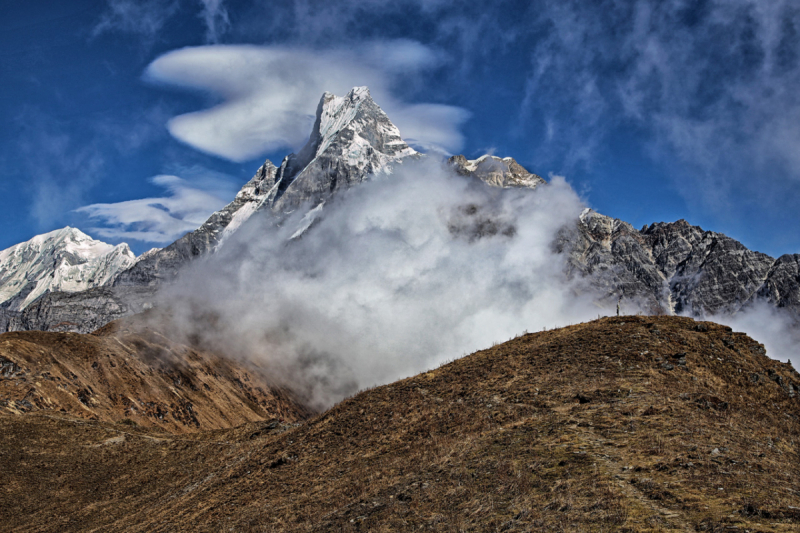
622 424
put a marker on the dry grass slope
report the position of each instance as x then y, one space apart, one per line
622 424
128 372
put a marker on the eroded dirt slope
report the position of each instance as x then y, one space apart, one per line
623 424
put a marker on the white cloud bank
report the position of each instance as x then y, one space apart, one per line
775 328
160 220
401 274
397 276
270 93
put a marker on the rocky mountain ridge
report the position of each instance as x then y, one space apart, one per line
127 371
671 268
677 268
496 172
352 139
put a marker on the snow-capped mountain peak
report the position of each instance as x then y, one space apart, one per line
340 112
352 139
64 260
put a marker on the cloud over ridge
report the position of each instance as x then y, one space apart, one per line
399 275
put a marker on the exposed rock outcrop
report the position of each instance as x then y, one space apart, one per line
80 312
782 286
676 267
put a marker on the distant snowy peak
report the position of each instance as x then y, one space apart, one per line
497 172
65 260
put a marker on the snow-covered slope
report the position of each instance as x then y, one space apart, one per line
65 260
162 264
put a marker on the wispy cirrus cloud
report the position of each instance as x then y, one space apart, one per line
707 86
59 170
161 220
148 17
215 16
270 93
64 161
142 17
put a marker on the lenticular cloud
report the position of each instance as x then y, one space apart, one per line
269 94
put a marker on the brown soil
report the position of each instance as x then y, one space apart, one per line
128 372
594 427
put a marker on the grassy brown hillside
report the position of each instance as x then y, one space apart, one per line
623 424
128 372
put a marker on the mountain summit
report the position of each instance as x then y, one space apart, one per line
496 172
352 139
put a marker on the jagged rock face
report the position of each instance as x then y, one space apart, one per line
65 260
614 258
497 172
708 272
677 268
80 312
155 267
351 140
782 286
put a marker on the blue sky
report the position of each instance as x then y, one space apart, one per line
133 120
